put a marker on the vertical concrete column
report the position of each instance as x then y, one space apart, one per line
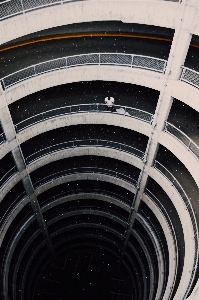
177 56
5 118
9 130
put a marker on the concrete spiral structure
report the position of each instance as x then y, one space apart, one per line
62 195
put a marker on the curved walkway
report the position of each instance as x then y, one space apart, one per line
144 12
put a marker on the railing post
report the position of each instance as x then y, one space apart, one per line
34 70
22 6
66 59
97 143
165 126
144 158
189 145
182 74
3 84
97 108
132 61
99 58
165 65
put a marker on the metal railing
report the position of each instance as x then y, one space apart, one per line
189 208
169 224
180 190
84 191
89 170
164 213
116 59
84 108
7 176
190 76
182 137
9 212
2 138
84 143
11 8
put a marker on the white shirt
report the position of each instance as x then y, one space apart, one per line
110 101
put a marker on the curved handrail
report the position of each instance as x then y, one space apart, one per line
12 207
8 175
190 76
86 190
188 205
118 59
182 137
89 170
2 138
165 215
85 108
84 143
11 8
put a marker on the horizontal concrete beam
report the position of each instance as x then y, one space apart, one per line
158 13
11 217
182 153
189 264
81 151
173 258
186 93
32 85
84 118
85 176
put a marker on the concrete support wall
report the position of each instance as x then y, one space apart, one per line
158 13
170 243
187 231
15 149
184 18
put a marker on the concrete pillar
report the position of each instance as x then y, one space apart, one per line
177 56
9 130
5 118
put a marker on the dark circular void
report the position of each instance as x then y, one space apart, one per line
85 274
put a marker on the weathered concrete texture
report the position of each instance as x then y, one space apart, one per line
137 76
158 13
187 229
170 243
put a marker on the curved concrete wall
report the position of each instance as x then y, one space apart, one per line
11 217
81 151
85 118
187 230
158 13
182 153
186 93
137 76
170 243
175 198
9 185
80 196
85 176
165 139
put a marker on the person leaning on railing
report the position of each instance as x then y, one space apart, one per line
109 101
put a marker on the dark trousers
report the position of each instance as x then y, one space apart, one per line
109 108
